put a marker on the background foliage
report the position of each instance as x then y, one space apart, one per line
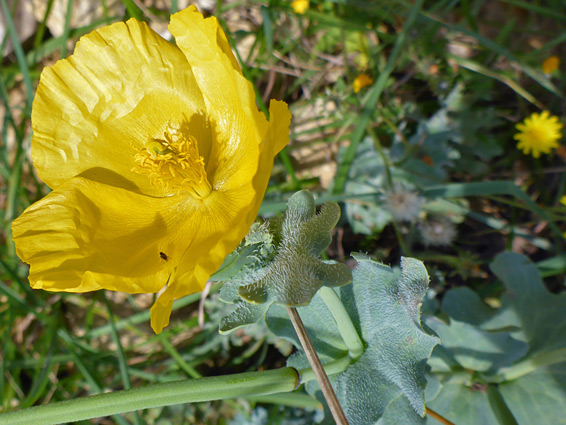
450 81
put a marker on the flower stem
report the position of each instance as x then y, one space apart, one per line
343 321
534 362
331 368
253 384
165 394
439 418
322 378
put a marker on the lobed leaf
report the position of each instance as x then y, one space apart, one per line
387 381
285 266
296 271
520 348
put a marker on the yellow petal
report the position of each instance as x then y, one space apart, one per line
237 125
229 97
220 232
122 86
245 199
361 81
86 235
216 70
160 314
278 132
104 225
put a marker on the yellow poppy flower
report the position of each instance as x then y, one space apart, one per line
538 134
361 81
550 64
300 6
158 159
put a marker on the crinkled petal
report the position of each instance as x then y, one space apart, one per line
105 226
224 220
160 314
93 111
217 73
278 131
230 215
236 124
229 97
86 235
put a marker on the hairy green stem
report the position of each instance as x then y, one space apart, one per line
531 364
252 384
331 368
343 321
189 391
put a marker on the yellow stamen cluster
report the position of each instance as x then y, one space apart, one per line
174 164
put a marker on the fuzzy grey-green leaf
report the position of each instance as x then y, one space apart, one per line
383 306
318 231
296 271
335 274
244 314
255 293
398 347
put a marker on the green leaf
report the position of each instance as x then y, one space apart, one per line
233 264
400 411
520 346
527 304
280 262
245 314
388 379
366 176
539 397
463 405
475 349
387 306
465 305
320 325
296 272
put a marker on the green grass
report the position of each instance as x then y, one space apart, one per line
61 346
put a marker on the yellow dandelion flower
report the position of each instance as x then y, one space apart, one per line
361 81
300 6
538 134
550 64
158 159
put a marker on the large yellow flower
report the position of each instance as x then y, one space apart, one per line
538 134
158 159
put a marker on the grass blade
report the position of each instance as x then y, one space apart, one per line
371 102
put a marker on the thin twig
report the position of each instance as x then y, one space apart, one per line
205 293
439 418
327 390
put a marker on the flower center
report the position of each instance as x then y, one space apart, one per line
539 134
174 164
